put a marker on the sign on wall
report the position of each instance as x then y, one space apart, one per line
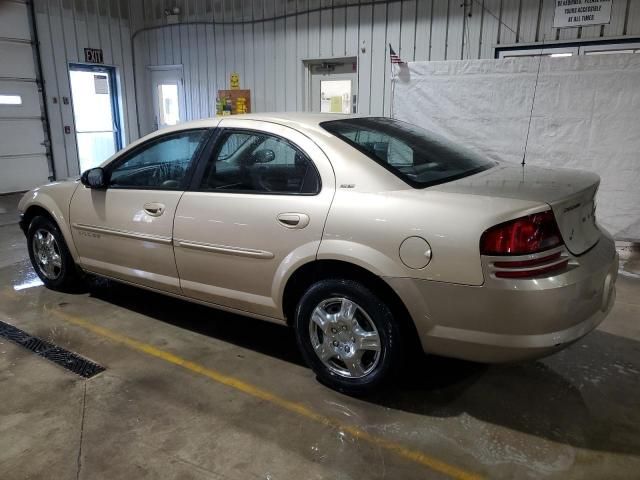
235 81
93 55
101 84
576 13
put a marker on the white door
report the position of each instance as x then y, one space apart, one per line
168 96
95 114
333 87
23 160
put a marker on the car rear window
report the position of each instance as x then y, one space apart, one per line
418 157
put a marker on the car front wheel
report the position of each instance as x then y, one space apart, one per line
50 256
348 336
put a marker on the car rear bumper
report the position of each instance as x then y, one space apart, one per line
507 320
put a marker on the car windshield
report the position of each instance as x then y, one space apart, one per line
418 157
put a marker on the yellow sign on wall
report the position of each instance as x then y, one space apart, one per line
235 81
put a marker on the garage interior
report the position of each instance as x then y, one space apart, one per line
172 389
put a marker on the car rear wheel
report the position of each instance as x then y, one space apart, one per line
348 336
50 256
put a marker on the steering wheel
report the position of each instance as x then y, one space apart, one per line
166 174
159 175
170 184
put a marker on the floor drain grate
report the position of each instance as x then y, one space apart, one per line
69 360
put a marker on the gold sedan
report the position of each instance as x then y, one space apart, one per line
369 236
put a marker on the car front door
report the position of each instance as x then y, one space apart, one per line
256 211
125 231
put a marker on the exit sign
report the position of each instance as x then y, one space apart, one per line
93 55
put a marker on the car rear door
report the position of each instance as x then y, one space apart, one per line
125 231
256 211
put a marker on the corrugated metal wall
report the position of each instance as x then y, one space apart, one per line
266 41
65 28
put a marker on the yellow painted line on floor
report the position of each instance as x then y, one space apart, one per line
257 392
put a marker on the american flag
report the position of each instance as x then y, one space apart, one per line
395 58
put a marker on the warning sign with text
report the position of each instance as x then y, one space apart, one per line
576 13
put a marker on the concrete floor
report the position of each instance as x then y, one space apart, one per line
193 393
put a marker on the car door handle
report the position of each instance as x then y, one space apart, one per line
293 220
154 209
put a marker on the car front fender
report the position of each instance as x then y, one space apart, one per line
55 199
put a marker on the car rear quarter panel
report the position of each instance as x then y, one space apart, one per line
55 198
368 228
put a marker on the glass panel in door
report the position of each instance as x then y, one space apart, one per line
168 96
335 96
168 107
94 112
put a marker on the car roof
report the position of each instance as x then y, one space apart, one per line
294 119
310 119
306 123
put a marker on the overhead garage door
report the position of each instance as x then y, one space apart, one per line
23 160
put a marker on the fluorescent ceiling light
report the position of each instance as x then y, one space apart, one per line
556 55
10 100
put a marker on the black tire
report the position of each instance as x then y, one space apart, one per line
66 277
376 311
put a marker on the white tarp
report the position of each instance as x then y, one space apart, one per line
586 115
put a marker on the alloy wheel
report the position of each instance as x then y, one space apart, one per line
344 338
47 254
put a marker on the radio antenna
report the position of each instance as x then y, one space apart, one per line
535 88
533 101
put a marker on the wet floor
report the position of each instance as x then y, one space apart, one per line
190 392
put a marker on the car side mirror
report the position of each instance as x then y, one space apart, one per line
94 178
264 156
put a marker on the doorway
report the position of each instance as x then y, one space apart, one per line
332 85
168 96
95 113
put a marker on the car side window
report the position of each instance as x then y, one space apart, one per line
161 165
259 162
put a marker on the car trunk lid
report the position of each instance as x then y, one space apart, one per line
570 194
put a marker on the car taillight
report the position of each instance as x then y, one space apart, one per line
525 235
